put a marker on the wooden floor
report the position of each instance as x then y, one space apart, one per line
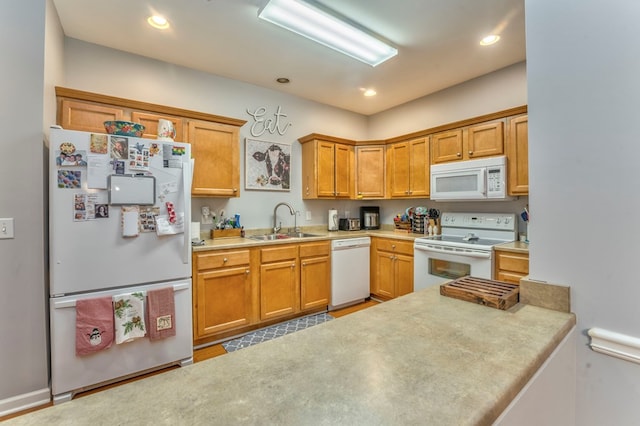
198 356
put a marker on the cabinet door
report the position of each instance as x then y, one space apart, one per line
279 294
223 300
384 275
87 117
344 159
404 274
217 159
150 122
485 140
315 282
370 172
510 266
518 155
398 166
419 167
446 146
325 169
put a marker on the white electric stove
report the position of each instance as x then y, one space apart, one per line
464 247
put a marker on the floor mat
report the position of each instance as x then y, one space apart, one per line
274 331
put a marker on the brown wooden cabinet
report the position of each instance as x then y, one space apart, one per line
279 281
315 275
327 167
391 267
214 139
370 171
86 116
518 155
408 168
510 266
222 293
217 159
476 141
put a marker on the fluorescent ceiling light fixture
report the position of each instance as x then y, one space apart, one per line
318 24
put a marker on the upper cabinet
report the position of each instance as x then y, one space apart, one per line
370 172
408 168
215 140
476 141
518 155
327 167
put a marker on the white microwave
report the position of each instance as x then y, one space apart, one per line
482 179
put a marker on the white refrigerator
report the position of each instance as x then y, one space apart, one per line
119 216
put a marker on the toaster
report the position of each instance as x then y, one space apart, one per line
352 224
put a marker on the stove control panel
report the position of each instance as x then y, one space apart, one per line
503 221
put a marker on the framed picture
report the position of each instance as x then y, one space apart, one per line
267 165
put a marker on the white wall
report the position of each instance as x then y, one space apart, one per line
583 67
23 325
500 90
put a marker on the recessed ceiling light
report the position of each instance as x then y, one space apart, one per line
369 92
283 80
159 22
490 39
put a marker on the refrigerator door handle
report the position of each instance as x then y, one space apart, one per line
187 176
71 303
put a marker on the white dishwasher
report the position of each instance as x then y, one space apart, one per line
349 271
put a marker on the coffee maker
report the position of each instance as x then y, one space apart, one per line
369 217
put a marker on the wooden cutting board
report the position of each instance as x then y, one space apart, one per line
496 294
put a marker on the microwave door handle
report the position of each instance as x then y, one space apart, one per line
483 181
476 254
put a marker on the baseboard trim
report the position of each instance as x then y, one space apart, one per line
25 401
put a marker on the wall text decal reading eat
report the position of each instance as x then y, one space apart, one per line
263 124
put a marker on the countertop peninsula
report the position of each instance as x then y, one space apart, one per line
419 359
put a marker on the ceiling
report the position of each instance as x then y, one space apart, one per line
437 40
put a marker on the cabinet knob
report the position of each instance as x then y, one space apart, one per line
225 260
293 265
470 152
393 246
458 154
247 272
304 264
235 189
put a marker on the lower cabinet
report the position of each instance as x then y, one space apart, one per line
510 266
279 288
391 267
238 290
223 296
315 275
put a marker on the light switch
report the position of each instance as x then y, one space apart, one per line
6 228
308 215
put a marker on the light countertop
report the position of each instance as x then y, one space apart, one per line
515 246
322 234
419 359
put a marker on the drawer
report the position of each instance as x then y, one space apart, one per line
222 259
315 249
395 246
274 254
513 262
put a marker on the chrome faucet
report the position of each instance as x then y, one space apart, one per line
277 228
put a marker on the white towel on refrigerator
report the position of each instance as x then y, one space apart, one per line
128 312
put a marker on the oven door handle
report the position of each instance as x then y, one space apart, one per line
455 251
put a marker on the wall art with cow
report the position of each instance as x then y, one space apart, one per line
267 165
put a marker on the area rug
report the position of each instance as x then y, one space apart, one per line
274 331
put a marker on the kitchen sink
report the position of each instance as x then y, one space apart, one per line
301 235
273 237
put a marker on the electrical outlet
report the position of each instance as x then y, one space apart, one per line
6 228
308 215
